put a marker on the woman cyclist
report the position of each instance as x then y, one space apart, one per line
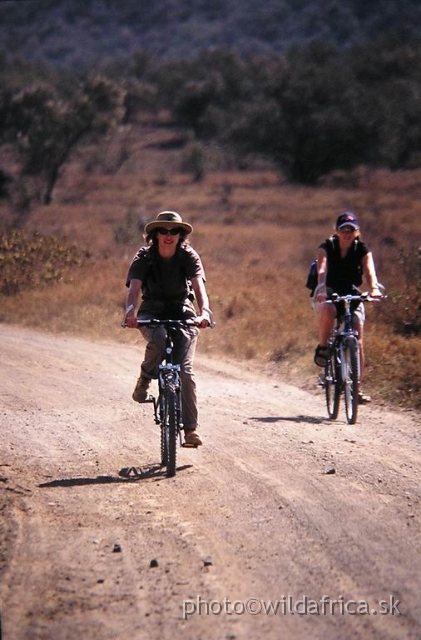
343 260
168 275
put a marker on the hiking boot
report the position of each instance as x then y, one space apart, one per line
140 393
363 398
320 356
192 438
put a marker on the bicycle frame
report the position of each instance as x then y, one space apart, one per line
169 374
340 337
342 369
168 405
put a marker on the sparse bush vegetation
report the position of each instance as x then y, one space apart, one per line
30 261
403 312
193 161
303 114
5 180
256 267
46 121
130 228
309 111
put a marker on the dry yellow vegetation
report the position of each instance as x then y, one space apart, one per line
256 235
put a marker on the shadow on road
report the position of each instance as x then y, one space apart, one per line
309 419
126 474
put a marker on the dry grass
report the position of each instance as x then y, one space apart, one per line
256 235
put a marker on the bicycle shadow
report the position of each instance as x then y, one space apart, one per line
299 419
126 474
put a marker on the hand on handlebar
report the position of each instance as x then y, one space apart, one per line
376 292
131 322
320 294
202 321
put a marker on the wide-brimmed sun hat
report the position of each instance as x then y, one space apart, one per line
168 220
347 219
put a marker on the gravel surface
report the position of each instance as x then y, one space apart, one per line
269 530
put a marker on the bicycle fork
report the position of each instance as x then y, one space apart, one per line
169 375
342 359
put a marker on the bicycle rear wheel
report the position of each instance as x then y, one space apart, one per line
351 379
332 386
164 438
169 428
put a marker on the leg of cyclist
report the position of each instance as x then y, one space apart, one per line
155 347
326 322
184 351
358 324
327 313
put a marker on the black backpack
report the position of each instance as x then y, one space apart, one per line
312 278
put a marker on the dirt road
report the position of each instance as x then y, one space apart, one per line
280 506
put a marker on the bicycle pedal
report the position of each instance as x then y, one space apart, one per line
186 445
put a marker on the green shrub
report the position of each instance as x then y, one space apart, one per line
34 261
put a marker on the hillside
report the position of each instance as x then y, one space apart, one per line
256 234
224 141
79 33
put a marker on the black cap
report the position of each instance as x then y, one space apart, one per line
347 219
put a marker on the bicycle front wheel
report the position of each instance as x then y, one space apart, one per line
169 428
351 376
332 386
164 437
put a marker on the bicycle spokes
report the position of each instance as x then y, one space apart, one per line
332 385
350 369
168 406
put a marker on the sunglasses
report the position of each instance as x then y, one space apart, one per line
347 229
169 232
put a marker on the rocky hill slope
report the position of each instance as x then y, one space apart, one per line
82 32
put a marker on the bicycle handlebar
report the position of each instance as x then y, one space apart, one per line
361 297
156 322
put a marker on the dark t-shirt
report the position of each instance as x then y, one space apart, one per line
344 273
166 283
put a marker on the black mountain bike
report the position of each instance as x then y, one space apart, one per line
342 368
168 405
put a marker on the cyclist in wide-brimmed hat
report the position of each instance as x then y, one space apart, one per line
168 220
169 275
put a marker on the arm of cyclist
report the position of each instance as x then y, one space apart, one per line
369 270
320 293
132 300
204 319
